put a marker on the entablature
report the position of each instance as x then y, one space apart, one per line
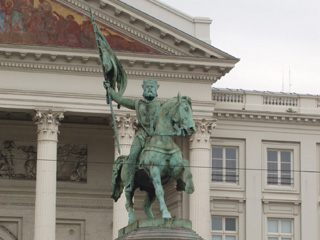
150 65
267 117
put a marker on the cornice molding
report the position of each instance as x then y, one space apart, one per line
93 104
268 117
46 58
164 71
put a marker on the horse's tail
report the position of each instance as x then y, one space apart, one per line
117 184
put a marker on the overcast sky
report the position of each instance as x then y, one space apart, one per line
271 37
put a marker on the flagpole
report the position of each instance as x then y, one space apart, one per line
108 96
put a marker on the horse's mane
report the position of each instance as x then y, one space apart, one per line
167 105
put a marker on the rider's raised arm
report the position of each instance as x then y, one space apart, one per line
126 102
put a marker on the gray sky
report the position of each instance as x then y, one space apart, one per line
270 37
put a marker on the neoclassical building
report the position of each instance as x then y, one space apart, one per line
254 157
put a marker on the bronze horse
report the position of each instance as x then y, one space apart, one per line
160 160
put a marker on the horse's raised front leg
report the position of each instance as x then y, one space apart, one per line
189 188
129 207
150 197
155 174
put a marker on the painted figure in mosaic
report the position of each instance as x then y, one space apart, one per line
154 157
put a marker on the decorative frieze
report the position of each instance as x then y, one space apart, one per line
6 159
19 160
72 163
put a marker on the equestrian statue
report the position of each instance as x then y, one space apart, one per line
154 157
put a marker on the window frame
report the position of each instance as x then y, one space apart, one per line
224 165
224 233
279 166
283 210
294 148
279 235
239 144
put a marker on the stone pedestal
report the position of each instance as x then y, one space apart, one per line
159 228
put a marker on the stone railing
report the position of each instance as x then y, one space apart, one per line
265 101
281 101
228 97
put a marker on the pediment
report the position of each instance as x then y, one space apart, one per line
57 36
65 24
53 23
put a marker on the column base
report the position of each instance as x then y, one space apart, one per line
159 228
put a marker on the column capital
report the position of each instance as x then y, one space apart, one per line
201 138
126 125
48 121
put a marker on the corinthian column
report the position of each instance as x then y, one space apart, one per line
126 131
45 206
200 148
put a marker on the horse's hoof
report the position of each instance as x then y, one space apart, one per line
189 188
166 214
132 218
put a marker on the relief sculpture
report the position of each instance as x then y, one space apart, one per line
31 161
72 163
6 159
19 161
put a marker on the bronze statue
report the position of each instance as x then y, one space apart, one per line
154 156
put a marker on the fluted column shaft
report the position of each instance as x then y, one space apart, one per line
45 206
199 205
126 131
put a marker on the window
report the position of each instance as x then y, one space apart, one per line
224 164
224 228
279 167
280 229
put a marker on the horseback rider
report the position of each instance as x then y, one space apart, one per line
147 111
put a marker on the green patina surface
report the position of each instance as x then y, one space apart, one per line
156 222
154 157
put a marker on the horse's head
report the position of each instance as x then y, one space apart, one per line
182 117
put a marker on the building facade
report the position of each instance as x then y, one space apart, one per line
254 157
265 165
